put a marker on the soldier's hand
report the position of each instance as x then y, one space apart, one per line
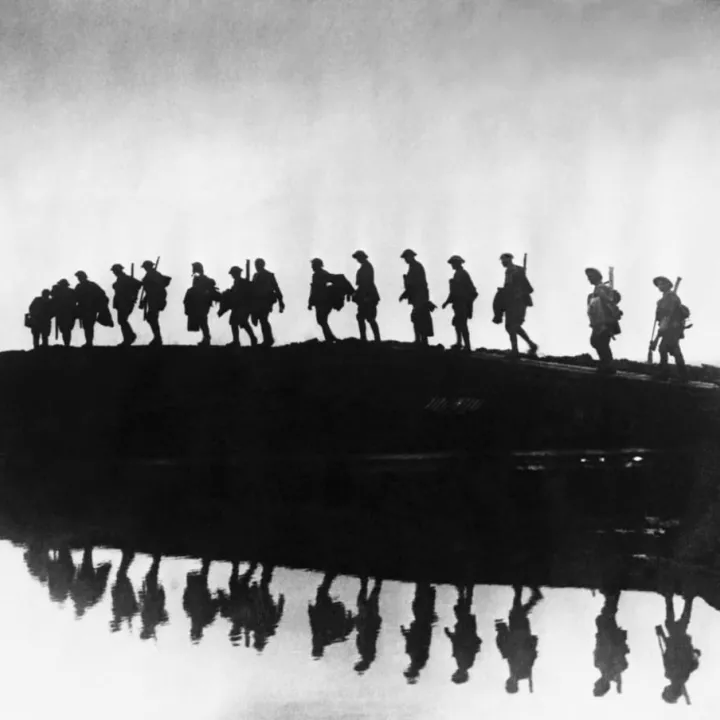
401 298
282 307
444 305
309 307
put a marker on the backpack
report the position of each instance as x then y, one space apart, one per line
339 289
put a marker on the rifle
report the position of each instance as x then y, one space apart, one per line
611 277
653 339
247 269
56 330
525 261
132 270
142 294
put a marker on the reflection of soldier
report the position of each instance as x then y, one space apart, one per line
199 604
368 624
41 315
91 301
419 634
89 584
236 605
330 621
238 299
462 295
63 297
124 602
60 574
198 301
126 293
417 294
266 292
366 296
680 658
152 602
268 613
516 642
465 640
154 299
611 648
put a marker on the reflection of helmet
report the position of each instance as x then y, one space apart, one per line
198 267
317 262
456 259
148 265
235 270
81 275
408 253
117 267
660 280
360 255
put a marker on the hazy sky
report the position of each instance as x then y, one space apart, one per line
56 666
584 133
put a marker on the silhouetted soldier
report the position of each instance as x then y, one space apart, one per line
419 635
89 584
417 294
611 648
41 313
266 292
238 299
198 301
267 613
327 292
60 574
126 294
462 296
368 622
152 602
330 621
124 602
680 658
237 604
199 604
603 314
154 299
366 296
465 640
671 328
515 640
91 302
63 297
513 299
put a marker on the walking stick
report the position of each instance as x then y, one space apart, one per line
653 340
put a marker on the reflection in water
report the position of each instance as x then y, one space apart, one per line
515 640
124 602
611 648
419 634
60 573
198 602
680 658
330 621
89 584
368 624
152 602
465 639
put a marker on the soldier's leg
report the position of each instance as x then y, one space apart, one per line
235 330
323 315
465 333
521 332
375 329
267 334
66 333
46 335
361 324
89 329
36 338
153 320
457 324
205 329
248 329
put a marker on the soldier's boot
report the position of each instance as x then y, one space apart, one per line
458 340
681 367
466 339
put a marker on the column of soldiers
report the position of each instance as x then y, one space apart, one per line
250 301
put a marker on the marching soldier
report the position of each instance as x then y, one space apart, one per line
126 293
604 315
513 299
198 301
41 314
154 298
265 293
418 296
63 297
670 316
238 299
327 292
462 296
366 296
91 301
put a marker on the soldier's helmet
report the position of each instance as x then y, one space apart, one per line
661 280
235 270
46 293
408 254
593 273
148 265
259 263
507 256
198 267
360 255
317 263
81 275
117 267
456 259
63 283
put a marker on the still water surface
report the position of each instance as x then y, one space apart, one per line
107 635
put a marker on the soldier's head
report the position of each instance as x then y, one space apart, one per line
117 268
360 256
259 264
593 275
662 283
602 687
235 271
456 261
198 268
45 294
62 283
148 265
317 264
408 255
81 275
506 259
511 685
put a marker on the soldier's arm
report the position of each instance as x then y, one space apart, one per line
276 289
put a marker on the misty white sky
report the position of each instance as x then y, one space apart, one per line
584 133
